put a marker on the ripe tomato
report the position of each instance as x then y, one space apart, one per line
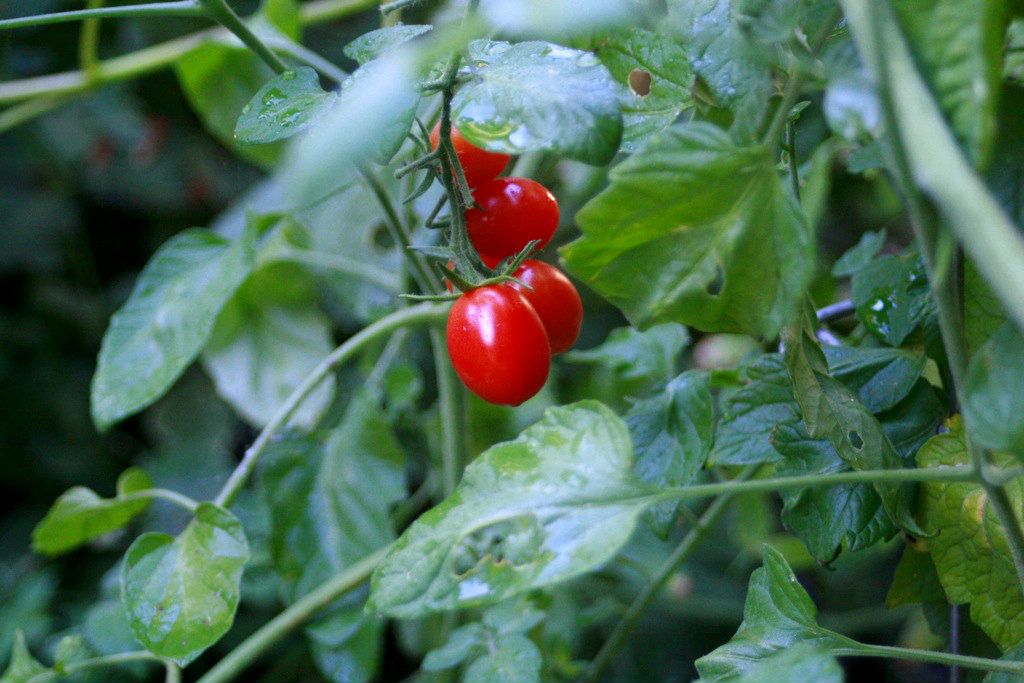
513 211
498 345
556 301
478 165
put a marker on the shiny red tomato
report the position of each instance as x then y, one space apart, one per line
478 165
498 345
556 301
513 211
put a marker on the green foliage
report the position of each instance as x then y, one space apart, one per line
970 549
640 360
861 255
180 594
729 260
994 402
891 296
372 45
23 666
285 105
167 320
535 95
80 516
518 519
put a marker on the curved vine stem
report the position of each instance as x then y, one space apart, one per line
629 620
420 314
95 663
178 8
221 12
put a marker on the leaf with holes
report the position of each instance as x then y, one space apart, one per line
539 96
286 105
369 46
656 72
555 503
725 247
180 594
970 550
994 392
777 615
80 516
167 320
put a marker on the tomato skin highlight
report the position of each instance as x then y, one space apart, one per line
498 345
513 212
478 165
555 299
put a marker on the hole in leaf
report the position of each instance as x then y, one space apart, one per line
382 238
855 439
513 542
640 82
714 288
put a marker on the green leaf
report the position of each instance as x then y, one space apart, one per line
70 649
180 594
369 46
658 79
958 45
880 377
833 412
802 662
983 312
323 521
557 502
515 659
915 581
891 296
80 516
1014 66
646 358
22 666
166 321
860 255
539 96
555 17
724 246
463 642
672 434
1014 655
777 615
287 104
970 549
107 630
267 340
750 415
994 393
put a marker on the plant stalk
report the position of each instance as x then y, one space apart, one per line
178 8
221 12
932 657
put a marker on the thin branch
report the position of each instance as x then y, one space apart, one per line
95 663
179 8
221 12
414 315
310 57
88 42
179 499
931 656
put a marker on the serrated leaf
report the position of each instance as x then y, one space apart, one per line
958 44
891 296
735 259
970 548
166 321
831 411
373 44
22 666
672 433
323 521
860 255
180 594
80 516
777 615
518 520
286 105
539 96
655 71
994 393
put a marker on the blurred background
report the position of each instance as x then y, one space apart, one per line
87 194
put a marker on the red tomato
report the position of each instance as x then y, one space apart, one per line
556 301
478 165
513 211
498 345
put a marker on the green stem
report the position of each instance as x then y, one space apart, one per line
26 111
292 618
95 663
310 57
932 657
178 499
173 673
653 588
221 12
448 405
88 42
425 313
156 57
179 8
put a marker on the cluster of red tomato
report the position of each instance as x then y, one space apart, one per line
501 337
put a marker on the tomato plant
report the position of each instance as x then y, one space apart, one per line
728 383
